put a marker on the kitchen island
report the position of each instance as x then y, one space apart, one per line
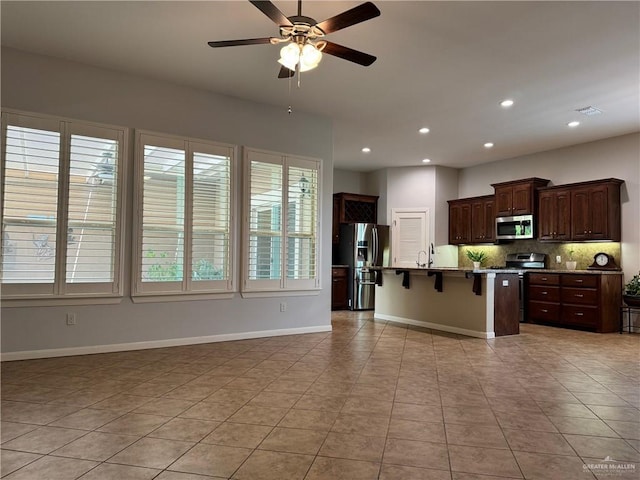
477 303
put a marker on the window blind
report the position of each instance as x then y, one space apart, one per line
265 225
163 214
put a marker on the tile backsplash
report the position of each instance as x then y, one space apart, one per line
583 253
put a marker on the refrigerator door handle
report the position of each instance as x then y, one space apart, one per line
375 245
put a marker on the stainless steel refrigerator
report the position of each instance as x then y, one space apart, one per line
363 245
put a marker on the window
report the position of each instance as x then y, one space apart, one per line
61 207
185 216
281 222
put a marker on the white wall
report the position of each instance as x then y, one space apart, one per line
348 181
617 157
51 86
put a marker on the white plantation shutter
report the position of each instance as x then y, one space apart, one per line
32 162
185 199
92 207
265 220
409 236
62 207
302 222
163 212
281 239
212 217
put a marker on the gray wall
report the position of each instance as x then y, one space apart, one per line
52 86
348 181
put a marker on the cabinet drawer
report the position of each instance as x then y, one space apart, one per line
582 296
544 293
544 279
580 315
590 281
544 311
339 272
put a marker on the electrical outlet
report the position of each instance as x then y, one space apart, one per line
558 259
71 318
283 306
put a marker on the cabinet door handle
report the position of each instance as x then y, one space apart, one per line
578 314
579 281
579 295
544 310
543 293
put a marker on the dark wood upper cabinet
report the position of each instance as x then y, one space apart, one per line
459 221
554 214
517 197
472 220
483 219
580 211
353 208
595 210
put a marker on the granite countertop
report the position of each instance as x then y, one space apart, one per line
501 270
432 269
549 270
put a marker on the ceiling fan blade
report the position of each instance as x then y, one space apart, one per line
350 54
234 43
365 11
271 11
286 73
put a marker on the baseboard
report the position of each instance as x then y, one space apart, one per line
435 326
172 342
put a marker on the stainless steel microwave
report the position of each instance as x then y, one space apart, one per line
514 228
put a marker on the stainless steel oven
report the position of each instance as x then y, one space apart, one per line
514 228
522 262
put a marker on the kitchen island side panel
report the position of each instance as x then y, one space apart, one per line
456 309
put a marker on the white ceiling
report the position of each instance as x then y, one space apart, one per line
445 65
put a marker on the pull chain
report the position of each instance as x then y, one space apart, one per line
289 111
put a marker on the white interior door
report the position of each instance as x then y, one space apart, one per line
409 236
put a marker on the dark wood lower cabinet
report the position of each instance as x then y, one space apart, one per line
587 301
506 315
339 288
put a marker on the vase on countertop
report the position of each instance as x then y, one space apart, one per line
476 265
571 264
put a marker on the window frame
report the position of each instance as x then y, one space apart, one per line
282 285
61 291
144 291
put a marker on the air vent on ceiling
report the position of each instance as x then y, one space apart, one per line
589 111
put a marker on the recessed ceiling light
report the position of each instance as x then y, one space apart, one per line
488 145
506 103
426 160
366 150
424 130
573 124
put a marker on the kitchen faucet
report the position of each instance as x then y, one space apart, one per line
431 252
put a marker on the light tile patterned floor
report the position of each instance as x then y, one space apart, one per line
370 400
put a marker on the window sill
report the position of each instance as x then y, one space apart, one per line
181 297
58 301
280 293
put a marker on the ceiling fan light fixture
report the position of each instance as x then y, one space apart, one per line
310 56
289 56
307 56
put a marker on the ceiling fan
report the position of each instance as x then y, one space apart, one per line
304 37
